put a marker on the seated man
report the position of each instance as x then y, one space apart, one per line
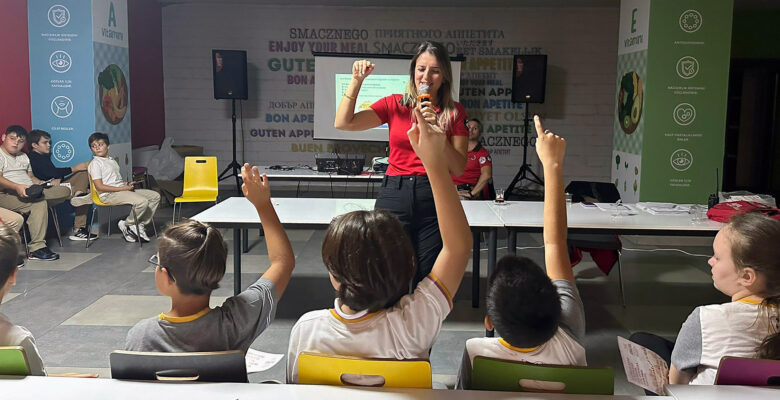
479 168
15 178
76 177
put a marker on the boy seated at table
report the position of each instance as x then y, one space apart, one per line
192 259
371 263
539 318
10 334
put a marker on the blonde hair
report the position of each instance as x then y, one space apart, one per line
446 101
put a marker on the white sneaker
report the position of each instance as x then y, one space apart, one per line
142 232
81 200
129 235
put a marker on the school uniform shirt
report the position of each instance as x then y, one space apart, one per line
15 335
15 168
476 158
404 331
564 348
403 160
717 330
232 326
107 170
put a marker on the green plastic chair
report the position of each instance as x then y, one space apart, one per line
13 361
515 376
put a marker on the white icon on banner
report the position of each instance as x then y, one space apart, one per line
681 159
62 107
687 67
59 16
690 21
63 151
684 114
60 61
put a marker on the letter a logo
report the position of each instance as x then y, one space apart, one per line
111 15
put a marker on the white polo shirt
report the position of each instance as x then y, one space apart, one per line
107 170
15 168
405 331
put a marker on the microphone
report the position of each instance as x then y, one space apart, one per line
423 94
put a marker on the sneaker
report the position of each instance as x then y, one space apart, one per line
81 200
142 233
81 234
44 254
127 233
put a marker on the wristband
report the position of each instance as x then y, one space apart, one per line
350 97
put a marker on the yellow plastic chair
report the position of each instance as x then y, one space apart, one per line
13 361
326 369
200 182
515 376
100 203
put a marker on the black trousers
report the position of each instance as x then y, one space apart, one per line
410 198
658 345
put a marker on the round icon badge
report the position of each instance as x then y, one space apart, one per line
681 159
63 151
687 67
62 107
690 21
60 61
684 114
59 15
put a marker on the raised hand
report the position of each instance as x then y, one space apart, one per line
361 69
255 187
549 147
427 140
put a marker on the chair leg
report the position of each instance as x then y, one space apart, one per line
53 213
91 221
173 217
109 222
620 280
154 227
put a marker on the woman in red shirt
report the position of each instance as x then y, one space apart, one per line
479 167
406 191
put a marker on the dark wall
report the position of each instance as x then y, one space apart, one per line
15 69
146 72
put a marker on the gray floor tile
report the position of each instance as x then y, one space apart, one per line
68 260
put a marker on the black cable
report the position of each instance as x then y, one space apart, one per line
241 109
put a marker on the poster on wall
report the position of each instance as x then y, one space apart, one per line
681 105
79 67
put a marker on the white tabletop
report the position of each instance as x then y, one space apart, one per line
721 392
309 174
35 387
238 212
528 214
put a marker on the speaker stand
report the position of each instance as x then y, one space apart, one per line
525 168
234 168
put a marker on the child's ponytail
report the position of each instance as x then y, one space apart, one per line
769 349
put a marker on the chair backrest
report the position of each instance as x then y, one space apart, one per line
321 369
602 192
200 177
514 376
13 361
748 372
94 192
489 191
213 366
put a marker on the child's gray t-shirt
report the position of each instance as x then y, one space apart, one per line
232 326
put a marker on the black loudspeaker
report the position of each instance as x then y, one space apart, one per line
229 71
529 75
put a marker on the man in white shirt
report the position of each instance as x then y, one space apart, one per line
16 177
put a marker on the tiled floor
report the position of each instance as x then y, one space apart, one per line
80 307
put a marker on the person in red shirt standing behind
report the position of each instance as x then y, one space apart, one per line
479 166
406 191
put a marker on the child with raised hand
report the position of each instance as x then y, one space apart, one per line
191 263
371 262
539 318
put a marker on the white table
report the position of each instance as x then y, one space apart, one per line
38 387
721 392
300 174
527 216
238 213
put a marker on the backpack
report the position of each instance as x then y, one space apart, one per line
723 211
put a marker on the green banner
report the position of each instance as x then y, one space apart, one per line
672 83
